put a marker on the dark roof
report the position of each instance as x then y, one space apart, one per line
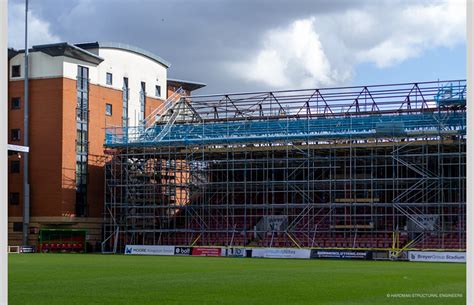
69 50
80 51
122 46
12 53
186 84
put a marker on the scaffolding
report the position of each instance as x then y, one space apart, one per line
370 167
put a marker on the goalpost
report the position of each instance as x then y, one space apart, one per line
13 249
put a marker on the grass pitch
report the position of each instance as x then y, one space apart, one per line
117 279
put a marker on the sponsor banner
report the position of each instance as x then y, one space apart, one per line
206 251
281 253
149 250
342 254
273 223
27 249
182 250
432 256
236 252
276 223
423 222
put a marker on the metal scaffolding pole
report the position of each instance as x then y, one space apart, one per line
379 167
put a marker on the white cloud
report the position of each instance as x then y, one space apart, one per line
418 28
324 50
290 57
39 31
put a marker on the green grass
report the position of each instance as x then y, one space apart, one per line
117 279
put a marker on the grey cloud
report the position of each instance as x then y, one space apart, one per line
197 37
200 37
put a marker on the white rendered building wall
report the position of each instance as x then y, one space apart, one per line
41 65
137 68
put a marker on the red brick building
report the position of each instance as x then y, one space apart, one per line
75 91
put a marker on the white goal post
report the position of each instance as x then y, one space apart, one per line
13 249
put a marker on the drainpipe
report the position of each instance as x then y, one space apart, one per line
26 185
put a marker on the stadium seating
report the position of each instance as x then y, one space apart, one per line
72 244
218 230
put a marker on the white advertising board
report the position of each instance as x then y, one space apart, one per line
149 250
432 256
281 253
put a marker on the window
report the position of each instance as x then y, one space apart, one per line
157 91
17 227
125 102
141 117
108 109
16 71
14 198
15 135
81 141
14 167
109 78
15 103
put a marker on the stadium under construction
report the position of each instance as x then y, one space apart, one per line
378 167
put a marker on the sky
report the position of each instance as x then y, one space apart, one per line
260 45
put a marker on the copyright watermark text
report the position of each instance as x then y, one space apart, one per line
424 295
